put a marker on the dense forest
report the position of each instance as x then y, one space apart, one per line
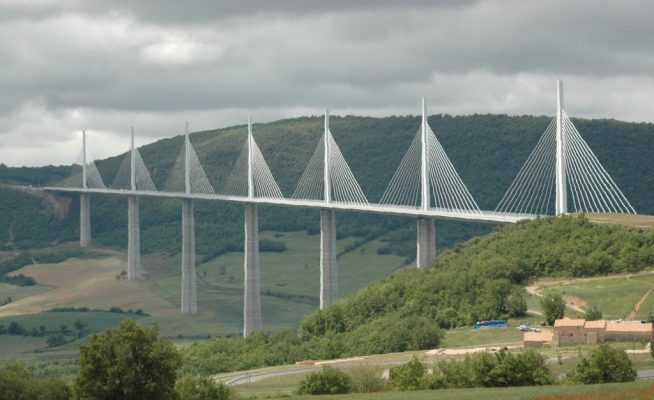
480 279
486 150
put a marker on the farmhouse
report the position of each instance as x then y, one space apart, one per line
569 331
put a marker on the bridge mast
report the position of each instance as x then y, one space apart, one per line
561 195
426 229
189 291
252 273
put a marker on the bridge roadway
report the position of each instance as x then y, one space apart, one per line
406 211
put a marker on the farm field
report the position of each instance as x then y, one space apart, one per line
290 285
636 221
616 296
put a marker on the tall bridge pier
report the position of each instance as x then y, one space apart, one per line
133 223
252 293
133 239
328 267
189 289
84 220
426 246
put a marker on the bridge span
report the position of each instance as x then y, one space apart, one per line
561 170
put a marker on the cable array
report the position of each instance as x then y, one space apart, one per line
590 186
199 183
93 177
448 191
311 184
532 191
262 179
344 186
143 180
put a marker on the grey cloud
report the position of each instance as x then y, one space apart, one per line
72 64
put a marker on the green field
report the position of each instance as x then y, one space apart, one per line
28 347
290 283
614 296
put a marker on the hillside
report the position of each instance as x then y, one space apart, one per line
487 151
481 279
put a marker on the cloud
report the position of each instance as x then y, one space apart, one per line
100 65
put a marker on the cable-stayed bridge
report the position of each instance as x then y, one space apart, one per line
561 171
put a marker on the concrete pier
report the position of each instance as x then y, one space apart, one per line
328 267
189 291
134 239
84 220
252 295
426 242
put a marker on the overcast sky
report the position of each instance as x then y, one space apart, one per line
68 65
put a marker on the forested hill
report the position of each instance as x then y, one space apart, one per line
486 150
480 279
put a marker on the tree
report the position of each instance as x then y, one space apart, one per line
605 364
593 313
553 307
328 381
79 328
130 362
190 387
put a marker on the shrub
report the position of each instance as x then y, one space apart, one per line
604 364
366 379
190 387
593 313
328 381
407 376
17 383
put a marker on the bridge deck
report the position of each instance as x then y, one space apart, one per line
458 215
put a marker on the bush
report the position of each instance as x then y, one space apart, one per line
328 381
407 376
496 370
190 387
17 383
553 307
55 340
366 379
605 364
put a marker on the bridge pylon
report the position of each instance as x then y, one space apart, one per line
562 174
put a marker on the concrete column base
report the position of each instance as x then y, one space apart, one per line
426 243
84 220
189 291
328 267
252 292
134 239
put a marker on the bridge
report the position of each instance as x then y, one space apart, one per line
425 186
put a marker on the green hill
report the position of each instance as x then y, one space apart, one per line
481 279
